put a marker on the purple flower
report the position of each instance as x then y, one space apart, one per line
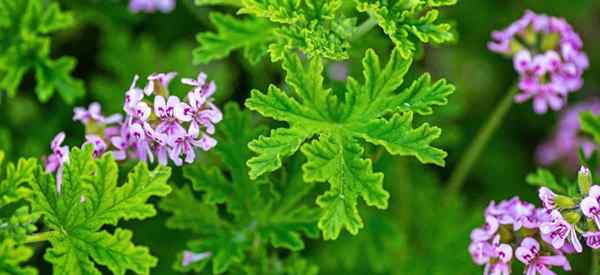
590 206
94 114
200 85
592 239
190 257
566 139
170 114
133 96
529 254
163 78
558 231
98 144
556 68
547 197
495 256
487 231
481 252
56 160
201 112
140 143
501 254
149 6
184 143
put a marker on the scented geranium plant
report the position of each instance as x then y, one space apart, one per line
291 137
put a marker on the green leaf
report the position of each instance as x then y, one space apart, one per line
317 28
590 124
251 34
543 177
12 256
25 45
10 186
217 2
260 212
90 198
16 219
409 22
373 111
54 75
422 95
340 163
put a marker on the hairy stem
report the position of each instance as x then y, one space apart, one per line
594 264
468 159
39 237
364 28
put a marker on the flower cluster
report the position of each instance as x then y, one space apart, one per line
538 237
547 53
566 140
150 6
155 125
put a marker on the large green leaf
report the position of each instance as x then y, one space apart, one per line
373 111
90 198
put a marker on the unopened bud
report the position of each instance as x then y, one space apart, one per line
564 202
572 217
584 179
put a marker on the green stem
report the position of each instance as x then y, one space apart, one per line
39 237
595 258
364 28
468 159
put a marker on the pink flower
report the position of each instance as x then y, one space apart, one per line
58 158
549 75
190 257
590 206
488 230
547 197
149 6
558 231
592 239
528 253
566 140
163 78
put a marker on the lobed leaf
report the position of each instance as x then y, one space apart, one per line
88 199
373 111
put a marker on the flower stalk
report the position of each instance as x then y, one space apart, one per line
460 173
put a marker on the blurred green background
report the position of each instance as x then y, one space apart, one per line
416 235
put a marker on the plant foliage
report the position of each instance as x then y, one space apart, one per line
91 198
261 213
25 29
328 129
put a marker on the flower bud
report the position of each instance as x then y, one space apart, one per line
564 202
572 217
584 179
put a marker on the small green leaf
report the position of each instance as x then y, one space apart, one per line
251 35
543 177
409 22
12 256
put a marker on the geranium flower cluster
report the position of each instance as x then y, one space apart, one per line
156 125
539 238
566 140
149 6
547 53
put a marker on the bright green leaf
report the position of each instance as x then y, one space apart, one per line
89 198
374 111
